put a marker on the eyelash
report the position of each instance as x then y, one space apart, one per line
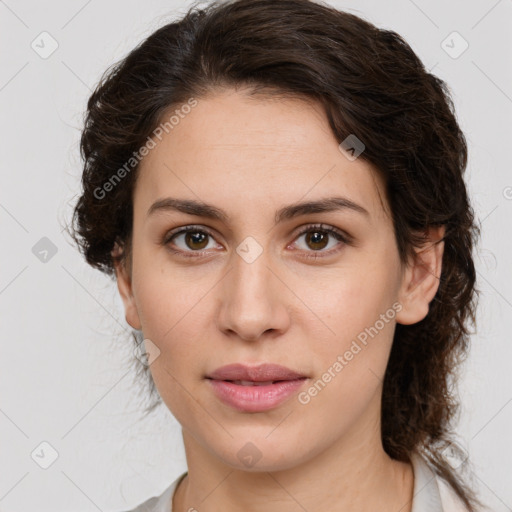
338 235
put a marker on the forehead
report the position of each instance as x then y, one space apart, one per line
239 151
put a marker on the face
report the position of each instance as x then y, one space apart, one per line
319 291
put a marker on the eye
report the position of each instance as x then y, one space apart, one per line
320 236
190 239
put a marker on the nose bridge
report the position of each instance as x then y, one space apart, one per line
251 302
251 272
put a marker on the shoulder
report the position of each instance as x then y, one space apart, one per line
431 492
162 502
451 502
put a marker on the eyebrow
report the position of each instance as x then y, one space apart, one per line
201 209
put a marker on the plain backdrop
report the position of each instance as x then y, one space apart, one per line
69 398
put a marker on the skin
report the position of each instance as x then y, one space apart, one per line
251 157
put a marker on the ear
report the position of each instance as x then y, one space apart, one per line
420 280
124 285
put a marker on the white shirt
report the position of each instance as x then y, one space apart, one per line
431 493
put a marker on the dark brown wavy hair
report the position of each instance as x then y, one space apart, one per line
369 83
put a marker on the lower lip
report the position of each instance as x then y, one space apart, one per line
255 398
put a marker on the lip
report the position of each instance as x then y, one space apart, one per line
255 398
260 373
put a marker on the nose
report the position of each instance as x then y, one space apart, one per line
253 300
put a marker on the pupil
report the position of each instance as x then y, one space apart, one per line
317 237
195 238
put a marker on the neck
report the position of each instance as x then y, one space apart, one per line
348 475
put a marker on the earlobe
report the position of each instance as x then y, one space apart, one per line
124 286
421 278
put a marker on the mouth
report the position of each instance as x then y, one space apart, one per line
251 390
261 375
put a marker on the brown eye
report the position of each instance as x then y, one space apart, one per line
317 239
196 239
189 240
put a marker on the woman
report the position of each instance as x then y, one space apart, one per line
277 187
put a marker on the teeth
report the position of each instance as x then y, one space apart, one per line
250 383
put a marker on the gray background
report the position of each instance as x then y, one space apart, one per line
65 375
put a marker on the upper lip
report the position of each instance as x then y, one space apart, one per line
260 373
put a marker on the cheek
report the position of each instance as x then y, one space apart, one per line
351 299
171 319
351 362
358 308
167 297
173 312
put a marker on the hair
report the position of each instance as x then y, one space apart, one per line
370 83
